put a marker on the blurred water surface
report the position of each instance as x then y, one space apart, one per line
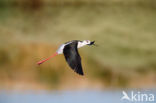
81 96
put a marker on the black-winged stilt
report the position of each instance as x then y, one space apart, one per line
70 51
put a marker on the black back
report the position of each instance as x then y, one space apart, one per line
72 57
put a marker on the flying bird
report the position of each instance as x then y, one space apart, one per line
71 54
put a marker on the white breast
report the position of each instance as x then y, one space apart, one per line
81 44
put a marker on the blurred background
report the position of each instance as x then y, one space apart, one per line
124 30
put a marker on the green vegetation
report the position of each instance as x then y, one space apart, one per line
124 32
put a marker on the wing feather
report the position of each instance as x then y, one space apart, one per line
72 57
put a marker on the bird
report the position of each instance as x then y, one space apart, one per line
71 54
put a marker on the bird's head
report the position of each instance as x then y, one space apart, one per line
88 42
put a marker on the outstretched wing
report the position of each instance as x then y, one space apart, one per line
72 57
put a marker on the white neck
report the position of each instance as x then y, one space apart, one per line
81 44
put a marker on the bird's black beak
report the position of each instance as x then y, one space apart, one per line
92 43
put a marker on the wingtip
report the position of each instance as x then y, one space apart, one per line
80 73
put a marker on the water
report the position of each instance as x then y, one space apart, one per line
86 96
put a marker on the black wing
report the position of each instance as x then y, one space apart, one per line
72 57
